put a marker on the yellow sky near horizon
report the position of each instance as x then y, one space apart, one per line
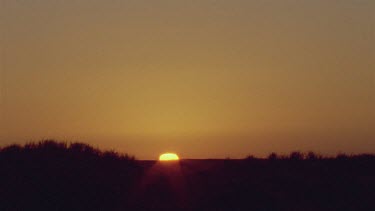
208 78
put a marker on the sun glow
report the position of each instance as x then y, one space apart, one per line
168 157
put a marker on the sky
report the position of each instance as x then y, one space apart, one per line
204 79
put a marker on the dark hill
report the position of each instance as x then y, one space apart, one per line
58 176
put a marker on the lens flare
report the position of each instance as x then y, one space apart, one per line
168 157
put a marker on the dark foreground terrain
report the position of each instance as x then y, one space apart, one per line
59 176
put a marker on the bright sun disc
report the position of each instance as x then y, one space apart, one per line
168 157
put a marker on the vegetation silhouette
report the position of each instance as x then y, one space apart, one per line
51 175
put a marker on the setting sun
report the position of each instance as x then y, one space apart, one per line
168 157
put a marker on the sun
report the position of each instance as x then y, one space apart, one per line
168 157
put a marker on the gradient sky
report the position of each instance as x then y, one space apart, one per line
205 79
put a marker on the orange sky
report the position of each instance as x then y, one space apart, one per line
202 78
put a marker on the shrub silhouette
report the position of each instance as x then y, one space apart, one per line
251 157
273 156
296 156
342 156
312 156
